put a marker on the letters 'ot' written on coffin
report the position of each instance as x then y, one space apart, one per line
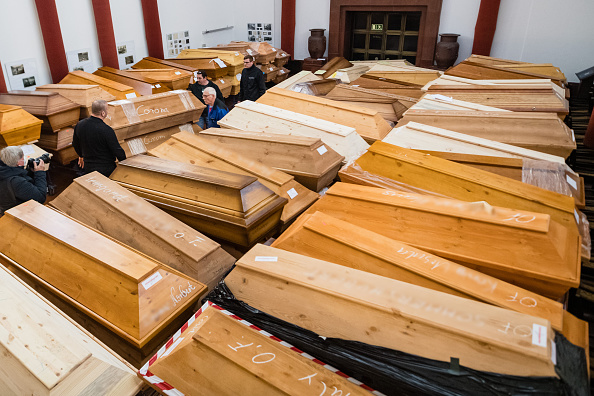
83 95
104 205
223 355
119 90
141 84
17 126
133 296
233 207
44 353
524 248
193 149
335 301
308 159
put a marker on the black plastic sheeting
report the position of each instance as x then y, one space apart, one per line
396 373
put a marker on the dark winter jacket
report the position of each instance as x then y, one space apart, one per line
198 90
17 185
252 84
218 111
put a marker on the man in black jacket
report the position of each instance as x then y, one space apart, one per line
96 143
198 90
252 84
17 185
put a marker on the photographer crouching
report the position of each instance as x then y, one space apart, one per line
17 184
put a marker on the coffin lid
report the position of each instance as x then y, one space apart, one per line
169 74
143 85
113 87
39 103
268 136
233 58
84 95
15 117
155 63
358 93
199 63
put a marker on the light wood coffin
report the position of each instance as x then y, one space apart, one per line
368 123
348 74
535 131
524 248
104 205
171 78
481 71
143 85
56 140
141 144
83 95
282 75
389 86
194 149
155 63
119 90
220 354
137 298
133 117
334 301
44 353
302 76
249 115
327 238
338 62
243 48
282 58
412 75
441 102
233 59
263 52
214 68
53 109
225 205
316 88
307 159
225 84
17 126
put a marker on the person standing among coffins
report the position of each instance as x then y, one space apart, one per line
252 84
198 90
215 108
96 143
17 184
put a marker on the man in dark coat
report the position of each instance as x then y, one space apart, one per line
96 143
252 84
18 185
198 90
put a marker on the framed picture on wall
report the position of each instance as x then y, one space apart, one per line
22 74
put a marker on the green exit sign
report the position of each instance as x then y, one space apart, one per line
377 26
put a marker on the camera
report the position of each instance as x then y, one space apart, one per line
31 162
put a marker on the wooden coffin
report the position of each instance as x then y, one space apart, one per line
302 76
327 238
53 109
119 90
170 78
83 95
481 71
194 149
143 85
225 205
535 131
225 84
281 58
243 48
141 144
64 155
249 115
270 71
489 60
334 301
316 88
233 59
307 159
139 116
332 66
214 68
56 140
543 69
441 102
368 123
346 75
389 106
389 86
264 52
155 63
139 300
524 248
220 354
282 75
411 75
104 205
45 353
17 126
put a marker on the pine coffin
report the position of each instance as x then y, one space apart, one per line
334 301
137 298
133 117
535 131
225 84
141 144
155 63
524 248
281 59
233 59
171 78
56 140
316 88
338 62
220 354
410 75
307 159
440 102
249 115
270 71
224 205
17 126
263 52
282 75
44 353
388 86
104 205
482 71
143 85
302 76
368 123
83 95
119 90
64 155
214 68
194 149
53 109
348 74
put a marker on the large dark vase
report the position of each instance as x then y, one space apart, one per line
446 51
316 44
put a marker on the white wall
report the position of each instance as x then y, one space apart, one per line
310 14
459 16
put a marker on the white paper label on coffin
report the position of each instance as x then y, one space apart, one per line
266 258
130 95
539 335
151 280
577 217
178 73
322 150
157 85
238 76
219 62
292 193
572 182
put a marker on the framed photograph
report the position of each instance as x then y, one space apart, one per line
129 59
79 68
18 69
122 49
169 37
126 58
186 34
251 26
259 25
22 74
29 81
267 38
267 26
80 59
83 56
252 38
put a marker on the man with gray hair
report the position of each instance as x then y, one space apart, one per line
215 109
17 185
96 143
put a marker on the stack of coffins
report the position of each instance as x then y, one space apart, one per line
214 68
282 58
233 60
129 301
307 159
269 70
225 205
193 149
104 205
171 78
301 77
283 74
332 66
225 84
17 126
249 115
368 123
45 353
141 84
83 95
141 144
403 74
56 141
264 52
389 86
119 90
